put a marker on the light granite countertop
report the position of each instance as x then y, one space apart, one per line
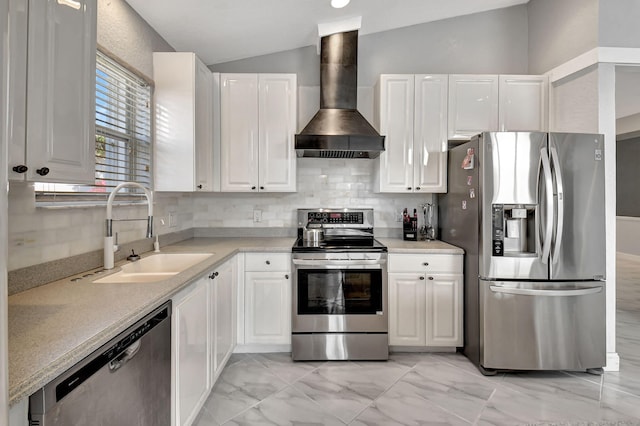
54 326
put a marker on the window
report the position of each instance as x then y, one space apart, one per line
123 136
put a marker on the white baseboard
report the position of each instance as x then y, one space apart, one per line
613 362
256 348
421 349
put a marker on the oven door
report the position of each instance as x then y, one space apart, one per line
333 296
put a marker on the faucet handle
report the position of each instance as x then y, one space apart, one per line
133 256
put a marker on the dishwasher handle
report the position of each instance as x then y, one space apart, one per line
124 356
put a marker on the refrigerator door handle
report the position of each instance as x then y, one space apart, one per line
560 206
548 205
537 292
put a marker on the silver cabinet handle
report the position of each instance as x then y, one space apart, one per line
536 292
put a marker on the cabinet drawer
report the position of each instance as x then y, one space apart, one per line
430 263
267 262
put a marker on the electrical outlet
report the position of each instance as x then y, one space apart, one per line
399 217
257 215
173 220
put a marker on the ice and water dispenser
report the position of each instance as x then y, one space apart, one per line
513 230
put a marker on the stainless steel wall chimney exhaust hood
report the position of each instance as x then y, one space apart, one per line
338 130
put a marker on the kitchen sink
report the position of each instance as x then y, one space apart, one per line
157 267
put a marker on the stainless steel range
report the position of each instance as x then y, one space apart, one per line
339 287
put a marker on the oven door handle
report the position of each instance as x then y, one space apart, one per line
338 262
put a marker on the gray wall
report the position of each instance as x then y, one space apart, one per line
628 195
123 33
619 23
489 42
560 30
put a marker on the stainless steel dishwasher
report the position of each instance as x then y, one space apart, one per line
125 382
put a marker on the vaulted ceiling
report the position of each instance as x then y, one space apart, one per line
225 30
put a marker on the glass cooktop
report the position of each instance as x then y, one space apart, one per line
339 244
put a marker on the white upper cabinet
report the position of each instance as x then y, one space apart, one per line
184 104
430 134
412 114
523 103
258 124
473 105
239 132
52 136
276 130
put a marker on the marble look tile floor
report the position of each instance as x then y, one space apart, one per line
431 388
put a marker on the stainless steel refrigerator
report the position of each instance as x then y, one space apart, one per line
528 209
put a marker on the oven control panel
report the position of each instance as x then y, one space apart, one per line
342 218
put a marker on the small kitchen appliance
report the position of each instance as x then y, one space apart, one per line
339 309
528 209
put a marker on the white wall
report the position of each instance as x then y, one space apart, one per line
560 31
618 23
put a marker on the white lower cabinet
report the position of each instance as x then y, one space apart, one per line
425 300
223 315
267 298
191 345
203 338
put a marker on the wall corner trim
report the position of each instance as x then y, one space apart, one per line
613 362
612 55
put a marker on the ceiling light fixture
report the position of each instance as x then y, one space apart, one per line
338 4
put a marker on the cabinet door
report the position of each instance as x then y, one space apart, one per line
267 307
407 309
224 315
203 126
191 337
473 105
523 103
239 132
430 133
17 90
61 80
444 310
174 156
277 127
396 111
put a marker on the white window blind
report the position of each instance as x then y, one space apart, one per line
123 136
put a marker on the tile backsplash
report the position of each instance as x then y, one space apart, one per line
321 183
38 235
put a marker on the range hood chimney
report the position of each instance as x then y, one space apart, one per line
338 130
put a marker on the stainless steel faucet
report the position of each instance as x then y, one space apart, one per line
109 247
